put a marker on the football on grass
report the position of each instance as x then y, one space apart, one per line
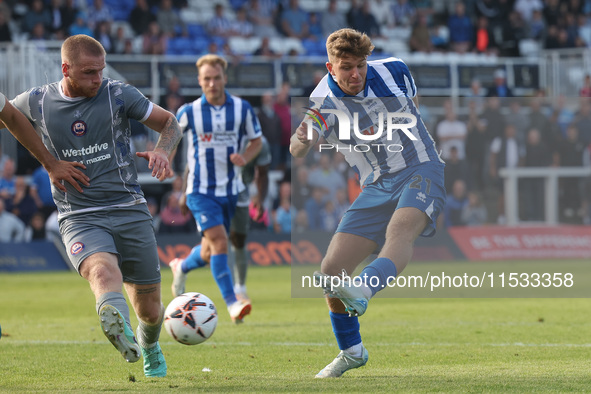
191 318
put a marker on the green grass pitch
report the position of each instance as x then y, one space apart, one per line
52 343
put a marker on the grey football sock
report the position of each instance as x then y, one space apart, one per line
118 301
241 266
147 335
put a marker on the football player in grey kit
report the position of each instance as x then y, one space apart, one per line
107 229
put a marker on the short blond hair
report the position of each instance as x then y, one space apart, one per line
79 44
212 60
348 42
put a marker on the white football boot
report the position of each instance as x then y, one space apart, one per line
239 310
342 363
179 278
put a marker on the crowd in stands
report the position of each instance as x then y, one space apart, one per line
497 27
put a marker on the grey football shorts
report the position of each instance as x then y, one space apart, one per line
126 232
239 222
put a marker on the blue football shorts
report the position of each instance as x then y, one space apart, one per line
210 211
420 186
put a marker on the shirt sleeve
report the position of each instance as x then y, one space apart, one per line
253 127
137 106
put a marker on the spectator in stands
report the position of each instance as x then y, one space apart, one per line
382 11
506 152
173 220
484 38
99 12
451 132
37 14
500 88
5 33
526 8
7 184
332 19
455 204
56 27
13 229
537 26
39 35
154 40
294 21
518 118
120 41
35 230
420 36
261 14
313 206
301 222
474 213
329 216
562 115
173 99
585 91
456 168
3 159
241 27
41 191
318 75
153 208
403 13
69 12
513 31
353 11
341 203
219 25
582 120
461 29
537 154
265 50
326 177
539 121
571 154
5 9
80 25
140 17
102 33
365 22
283 213
169 20
315 27
270 127
283 110
491 10
23 204
302 190
476 148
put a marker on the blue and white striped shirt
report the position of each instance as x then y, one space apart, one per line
389 88
214 133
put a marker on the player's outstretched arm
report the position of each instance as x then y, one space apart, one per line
58 170
300 144
166 124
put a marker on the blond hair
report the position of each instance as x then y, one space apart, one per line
348 42
77 45
212 60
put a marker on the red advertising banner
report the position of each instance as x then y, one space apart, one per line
507 243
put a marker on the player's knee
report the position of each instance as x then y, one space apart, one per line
100 272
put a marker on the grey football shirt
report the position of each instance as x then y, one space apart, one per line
2 102
94 131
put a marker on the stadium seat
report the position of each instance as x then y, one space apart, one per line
196 30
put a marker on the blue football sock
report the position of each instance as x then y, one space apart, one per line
193 260
346 329
223 277
377 273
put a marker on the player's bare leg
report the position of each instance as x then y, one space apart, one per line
102 272
240 266
146 301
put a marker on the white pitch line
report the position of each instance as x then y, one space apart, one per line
7 341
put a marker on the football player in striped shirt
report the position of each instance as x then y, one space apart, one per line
218 125
401 174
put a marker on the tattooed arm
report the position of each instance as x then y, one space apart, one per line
166 124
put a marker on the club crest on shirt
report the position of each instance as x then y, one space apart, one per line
78 128
77 248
